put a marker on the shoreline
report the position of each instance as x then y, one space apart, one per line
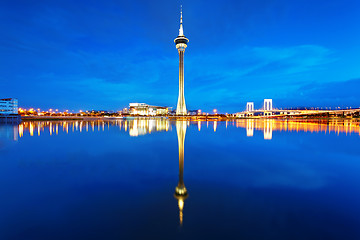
187 118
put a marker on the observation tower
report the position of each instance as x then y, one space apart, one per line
181 44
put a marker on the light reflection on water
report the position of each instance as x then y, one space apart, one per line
259 166
138 127
135 127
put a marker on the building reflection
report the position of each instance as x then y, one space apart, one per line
146 126
9 132
180 190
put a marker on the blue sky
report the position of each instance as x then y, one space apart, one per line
104 54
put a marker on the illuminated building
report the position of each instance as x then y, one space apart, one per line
143 109
181 43
180 190
194 112
9 110
8 106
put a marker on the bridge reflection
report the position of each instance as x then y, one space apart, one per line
270 125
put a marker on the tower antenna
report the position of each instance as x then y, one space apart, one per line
180 13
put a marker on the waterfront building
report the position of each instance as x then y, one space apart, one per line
8 106
194 112
181 44
9 110
143 109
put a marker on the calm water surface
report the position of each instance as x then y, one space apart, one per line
157 179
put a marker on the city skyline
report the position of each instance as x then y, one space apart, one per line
104 55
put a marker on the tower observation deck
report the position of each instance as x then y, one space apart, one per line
181 44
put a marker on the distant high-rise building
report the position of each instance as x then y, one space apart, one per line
181 43
9 106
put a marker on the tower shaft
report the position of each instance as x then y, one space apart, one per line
181 106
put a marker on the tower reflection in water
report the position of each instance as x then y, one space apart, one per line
180 190
142 126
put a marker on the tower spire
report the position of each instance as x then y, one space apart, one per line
181 30
181 14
